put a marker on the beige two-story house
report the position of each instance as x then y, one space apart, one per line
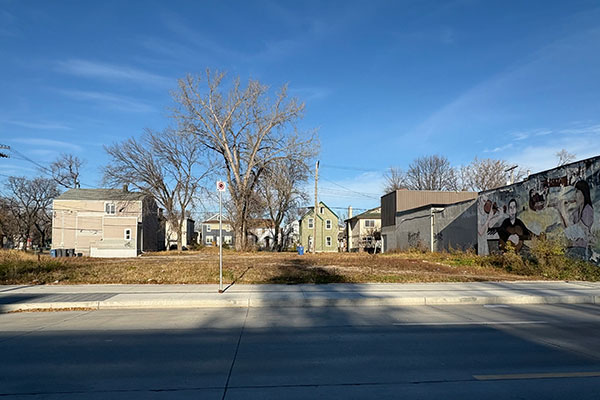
105 222
363 231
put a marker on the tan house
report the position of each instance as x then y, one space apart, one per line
187 234
326 226
363 231
105 222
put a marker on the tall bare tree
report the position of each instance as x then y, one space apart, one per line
167 165
487 173
245 129
281 190
395 179
564 157
431 173
29 202
65 171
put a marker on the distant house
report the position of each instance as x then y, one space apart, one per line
327 229
187 234
261 233
408 217
210 232
105 222
363 231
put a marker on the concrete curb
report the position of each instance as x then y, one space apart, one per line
293 301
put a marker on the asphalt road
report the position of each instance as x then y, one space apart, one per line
446 352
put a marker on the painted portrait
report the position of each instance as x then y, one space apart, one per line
559 204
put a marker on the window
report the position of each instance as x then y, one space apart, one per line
127 234
109 208
209 240
369 223
227 239
328 241
328 224
322 210
207 228
311 223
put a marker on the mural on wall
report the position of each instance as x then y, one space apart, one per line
561 204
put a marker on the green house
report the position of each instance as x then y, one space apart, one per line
327 229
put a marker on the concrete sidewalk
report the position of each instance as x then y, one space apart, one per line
52 297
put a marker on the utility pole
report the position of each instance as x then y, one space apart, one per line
314 249
512 173
4 147
220 188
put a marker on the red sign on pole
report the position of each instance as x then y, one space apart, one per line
220 186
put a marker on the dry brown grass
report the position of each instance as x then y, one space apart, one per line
257 267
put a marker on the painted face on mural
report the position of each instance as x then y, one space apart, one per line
512 210
579 198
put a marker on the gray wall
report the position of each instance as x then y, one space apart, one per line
454 228
150 225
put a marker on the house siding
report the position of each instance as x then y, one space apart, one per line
322 231
84 224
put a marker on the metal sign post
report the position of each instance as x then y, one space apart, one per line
221 189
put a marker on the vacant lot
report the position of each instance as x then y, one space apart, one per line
264 267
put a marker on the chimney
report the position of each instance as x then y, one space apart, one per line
349 212
125 188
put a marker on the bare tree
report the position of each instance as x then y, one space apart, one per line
564 157
281 189
431 173
395 179
246 131
8 225
166 165
488 173
29 202
65 171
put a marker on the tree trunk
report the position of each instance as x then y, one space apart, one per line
179 235
276 245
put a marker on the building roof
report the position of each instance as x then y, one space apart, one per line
433 205
310 210
100 194
587 161
215 218
374 213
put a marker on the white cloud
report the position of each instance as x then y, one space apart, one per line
44 125
92 69
110 100
488 103
64 146
498 149
541 155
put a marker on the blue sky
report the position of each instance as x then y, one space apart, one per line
383 81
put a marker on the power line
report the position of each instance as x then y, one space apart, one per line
369 195
348 168
42 167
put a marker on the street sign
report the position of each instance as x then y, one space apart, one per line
220 186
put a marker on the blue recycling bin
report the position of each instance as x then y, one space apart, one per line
53 253
300 250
